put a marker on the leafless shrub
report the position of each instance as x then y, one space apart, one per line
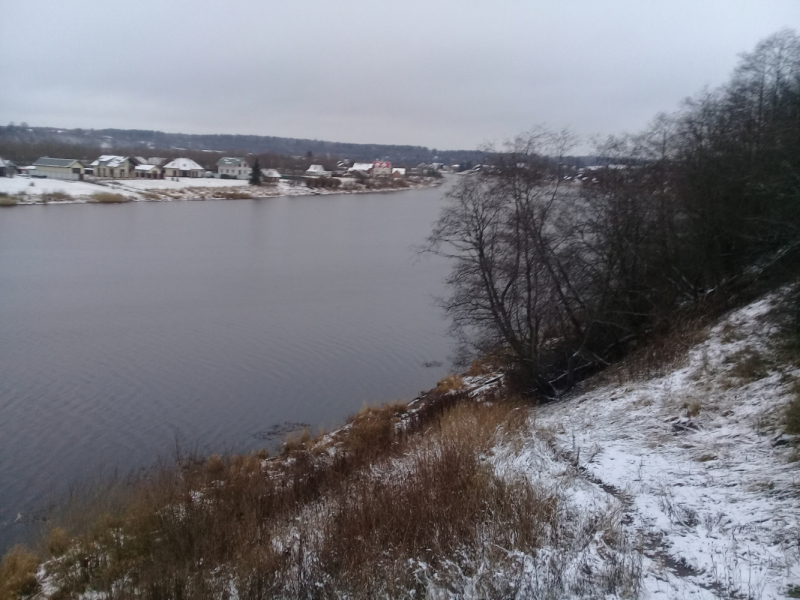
450 383
55 197
108 198
692 407
748 365
234 195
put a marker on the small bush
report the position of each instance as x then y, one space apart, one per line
57 541
450 383
18 574
108 198
486 365
235 195
7 201
55 197
748 365
297 441
372 430
693 408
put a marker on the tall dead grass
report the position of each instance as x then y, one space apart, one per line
233 195
108 198
307 523
18 574
403 502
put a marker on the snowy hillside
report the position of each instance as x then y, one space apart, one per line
695 460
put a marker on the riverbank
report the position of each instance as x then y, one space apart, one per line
20 191
669 479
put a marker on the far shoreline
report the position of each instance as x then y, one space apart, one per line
126 194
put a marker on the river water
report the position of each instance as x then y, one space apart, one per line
124 328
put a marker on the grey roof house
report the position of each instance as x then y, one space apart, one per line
59 168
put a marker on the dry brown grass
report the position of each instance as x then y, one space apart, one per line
55 197
18 574
658 354
108 198
451 383
357 513
748 365
487 365
350 523
57 542
6 200
693 408
234 195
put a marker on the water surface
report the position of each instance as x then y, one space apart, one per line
124 326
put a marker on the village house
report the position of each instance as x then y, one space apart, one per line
364 168
270 176
148 172
381 168
183 167
114 167
7 168
58 168
236 168
317 171
398 173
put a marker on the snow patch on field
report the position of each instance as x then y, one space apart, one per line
37 187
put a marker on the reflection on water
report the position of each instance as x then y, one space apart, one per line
122 327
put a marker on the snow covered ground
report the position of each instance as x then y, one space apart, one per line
37 187
34 190
179 183
696 461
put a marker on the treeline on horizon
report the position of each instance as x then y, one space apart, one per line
563 278
26 144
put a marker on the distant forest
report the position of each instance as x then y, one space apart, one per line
19 142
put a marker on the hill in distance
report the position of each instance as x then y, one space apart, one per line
234 144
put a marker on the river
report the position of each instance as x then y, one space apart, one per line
126 328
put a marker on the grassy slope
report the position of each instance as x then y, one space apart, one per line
670 478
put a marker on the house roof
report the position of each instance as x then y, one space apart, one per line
399 170
184 164
316 169
270 173
361 167
54 162
231 161
6 163
111 161
146 167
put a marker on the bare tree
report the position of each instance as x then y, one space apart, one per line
510 286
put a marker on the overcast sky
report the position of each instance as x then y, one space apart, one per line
433 73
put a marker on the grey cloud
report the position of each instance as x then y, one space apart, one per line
443 74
